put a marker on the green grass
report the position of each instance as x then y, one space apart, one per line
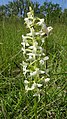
14 102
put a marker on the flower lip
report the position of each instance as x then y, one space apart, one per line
26 82
47 79
49 28
46 58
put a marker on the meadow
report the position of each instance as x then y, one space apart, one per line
14 102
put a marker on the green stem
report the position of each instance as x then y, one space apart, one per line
46 50
35 107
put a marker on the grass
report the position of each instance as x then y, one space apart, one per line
14 102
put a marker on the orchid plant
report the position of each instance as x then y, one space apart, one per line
34 56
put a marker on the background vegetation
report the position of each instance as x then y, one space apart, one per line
14 103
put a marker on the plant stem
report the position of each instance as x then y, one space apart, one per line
46 51
35 107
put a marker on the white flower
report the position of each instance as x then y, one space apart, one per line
47 79
41 62
26 87
23 43
43 40
40 48
27 44
24 68
41 72
32 87
45 29
33 48
28 22
25 71
26 82
26 37
43 54
43 33
32 32
35 85
33 73
49 29
42 77
30 57
39 85
40 22
30 15
24 64
26 19
37 95
30 54
34 52
46 58
24 50
37 33
37 71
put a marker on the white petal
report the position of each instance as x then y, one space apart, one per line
31 47
49 29
47 79
26 82
33 73
41 62
42 72
33 86
46 58
39 85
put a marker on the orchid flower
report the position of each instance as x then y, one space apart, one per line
34 53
